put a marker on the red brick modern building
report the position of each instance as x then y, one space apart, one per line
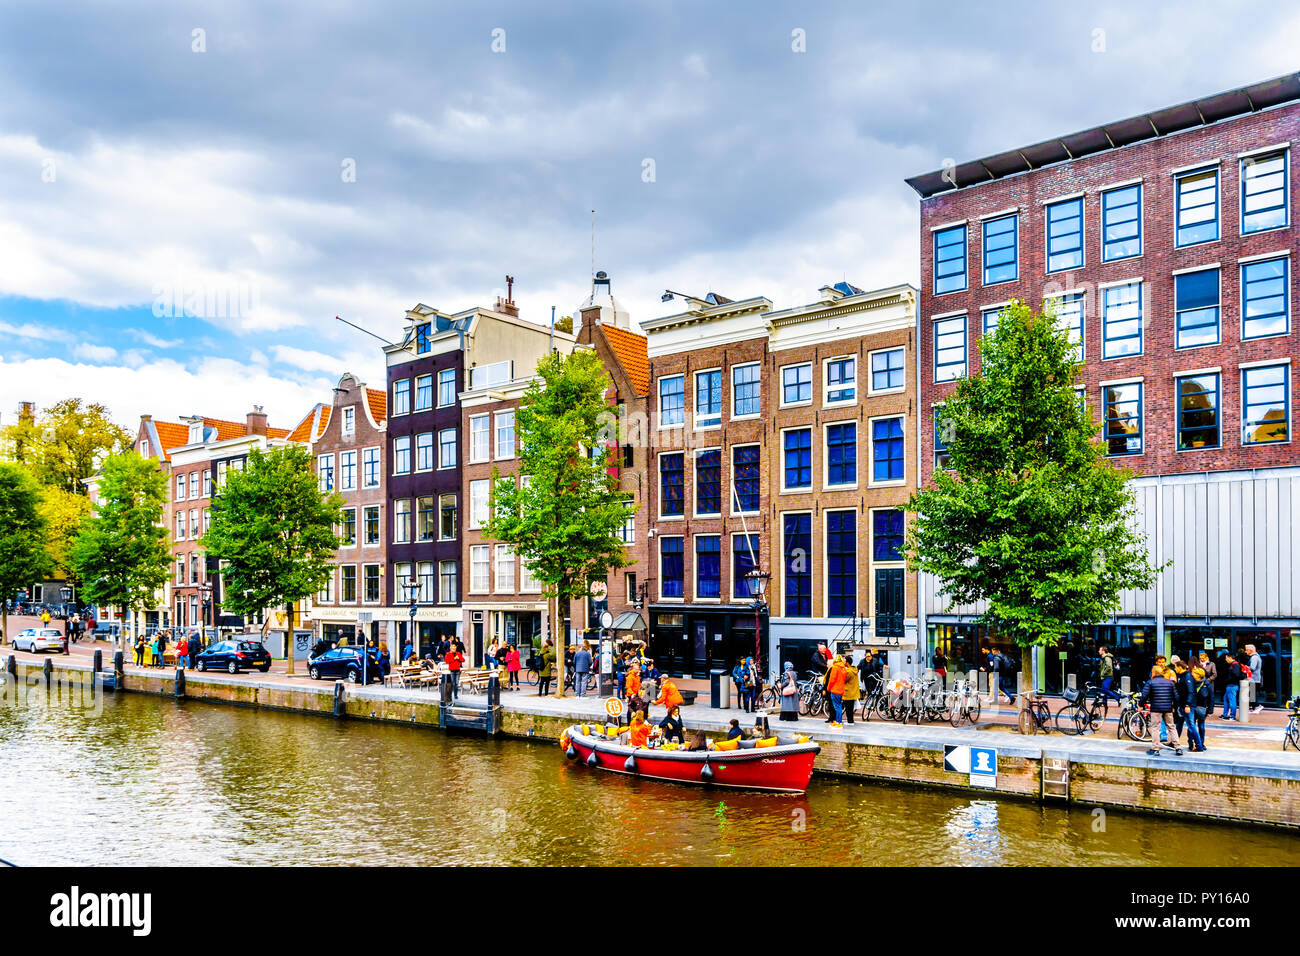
1166 243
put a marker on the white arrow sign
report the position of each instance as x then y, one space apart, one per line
956 759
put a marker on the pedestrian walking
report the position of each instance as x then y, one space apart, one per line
545 669
1184 714
1161 695
1231 689
939 661
1007 676
1211 676
1106 672
581 669
789 693
852 691
1202 698
1256 665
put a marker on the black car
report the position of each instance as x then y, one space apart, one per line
344 662
234 656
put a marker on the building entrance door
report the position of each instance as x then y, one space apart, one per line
889 602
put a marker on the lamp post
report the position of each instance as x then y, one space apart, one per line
205 604
758 591
412 586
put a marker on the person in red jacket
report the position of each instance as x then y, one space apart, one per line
454 658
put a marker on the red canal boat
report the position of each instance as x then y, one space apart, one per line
784 767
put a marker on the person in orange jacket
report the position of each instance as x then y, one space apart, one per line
638 734
836 678
633 681
669 695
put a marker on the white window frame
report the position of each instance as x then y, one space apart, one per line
342 476
857 458
502 557
455 452
349 425
801 402
356 592
695 482
709 424
409 396
659 392
496 434
733 496
438 385
410 454
871 376
474 457
480 560
379 466
749 415
871 452
826 385
475 503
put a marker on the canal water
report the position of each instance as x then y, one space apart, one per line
144 780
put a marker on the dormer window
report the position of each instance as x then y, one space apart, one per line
422 344
144 448
196 433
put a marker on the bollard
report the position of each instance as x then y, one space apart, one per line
339 699
178 688
1243 702
12 666
494 691
48 670
1072 681
97 663
1124 684
444 690
119 672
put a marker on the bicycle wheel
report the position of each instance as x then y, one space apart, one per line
1028 726
531 676
805 703
868 706
973 710
1067 720
1121 728
1139 728
1292 737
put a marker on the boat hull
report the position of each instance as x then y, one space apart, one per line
782 769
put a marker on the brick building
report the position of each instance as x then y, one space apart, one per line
1166 243
348 438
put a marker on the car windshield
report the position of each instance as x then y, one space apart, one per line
50 632
249 646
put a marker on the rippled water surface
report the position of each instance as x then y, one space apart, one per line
149 780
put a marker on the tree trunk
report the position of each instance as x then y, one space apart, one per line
288 642
4 621
1027 681
561 635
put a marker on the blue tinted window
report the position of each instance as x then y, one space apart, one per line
1196 304
842 454
671 468
1065 235
887 370
950 260
708 398
1197 200
1263 192
798 458
798 565
887 535
1000 263
708 566
672 400
796 384
1123 425
670 560
744 472
841 563
744 548
1198 412
1121 223
841 377
950 349
744 385
1121 320
1265 404
1264 298
887 449
708 482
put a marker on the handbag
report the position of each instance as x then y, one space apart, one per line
788 689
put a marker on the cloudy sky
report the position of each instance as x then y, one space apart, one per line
190 192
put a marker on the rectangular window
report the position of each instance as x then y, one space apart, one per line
349 421
1121 223
1196 197
1123 426
370 524
841 380
207 484
1196 304
446 387
708 398
348 584
1000 260
423 393
402 397
447 582
221 475
744 550
1198 412
989 320
348 530
708 566
480 438
950 349
325 472
402 521
670 567
887 535
424 451
425 526
479 492
402 582
841 563
1069 316
887 371
745 478
708 482
371 583
447 448
529 583
797 560
370 467
180 526
950 260
505 422
1065 235
348 471
480 568
842 454
1265 404
672 470
942 434
798 458
1121 320
672 400
180 487
1265 298
402 455
745 390
504 572
422 344
796 384
887 449
447 518
194 484
1264 192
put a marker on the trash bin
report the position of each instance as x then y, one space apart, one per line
719 690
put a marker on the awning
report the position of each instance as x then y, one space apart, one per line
628 621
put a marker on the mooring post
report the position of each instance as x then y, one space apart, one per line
178 689
339 700
12 666
97 663
494 691
119 672
48 670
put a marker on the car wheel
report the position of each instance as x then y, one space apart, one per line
232 668
354 675
264 668
201 666
314 672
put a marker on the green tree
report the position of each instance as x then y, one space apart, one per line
64 445
274 531
1029 516
121 554
23 557
563 519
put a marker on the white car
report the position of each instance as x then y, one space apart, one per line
39 639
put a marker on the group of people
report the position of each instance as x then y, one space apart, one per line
1180 695
842 682
186 648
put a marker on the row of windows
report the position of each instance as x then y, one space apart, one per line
424 518
190 527
422 387
839 387
198 568
708 566
492 568
370 526
1264 205
1265 412
189 486
419 583
482 441
1265 313
347 585
416 452
347 474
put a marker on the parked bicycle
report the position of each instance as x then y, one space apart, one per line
1036 716
1134 719
965 704
1292 737
812 696
1083 711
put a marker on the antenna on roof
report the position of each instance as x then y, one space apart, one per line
593 244
360 329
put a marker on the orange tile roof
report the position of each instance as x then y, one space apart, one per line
630 350
378 402
310 428
227 429
171 435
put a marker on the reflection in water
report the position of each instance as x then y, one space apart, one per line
150 780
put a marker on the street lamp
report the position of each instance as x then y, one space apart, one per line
205 596
758 591
412 586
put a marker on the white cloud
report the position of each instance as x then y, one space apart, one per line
158 342
94 353
306 359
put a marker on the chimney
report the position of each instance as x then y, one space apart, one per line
257 421
507 305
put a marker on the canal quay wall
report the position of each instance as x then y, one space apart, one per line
1255 786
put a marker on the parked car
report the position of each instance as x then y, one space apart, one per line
39 639
344 662
107 632
234 656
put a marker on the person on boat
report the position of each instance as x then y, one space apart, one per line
698 742
638 733
669 695
735 730
789 693
672 726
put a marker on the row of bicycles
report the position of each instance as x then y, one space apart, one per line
901 699
1085 711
